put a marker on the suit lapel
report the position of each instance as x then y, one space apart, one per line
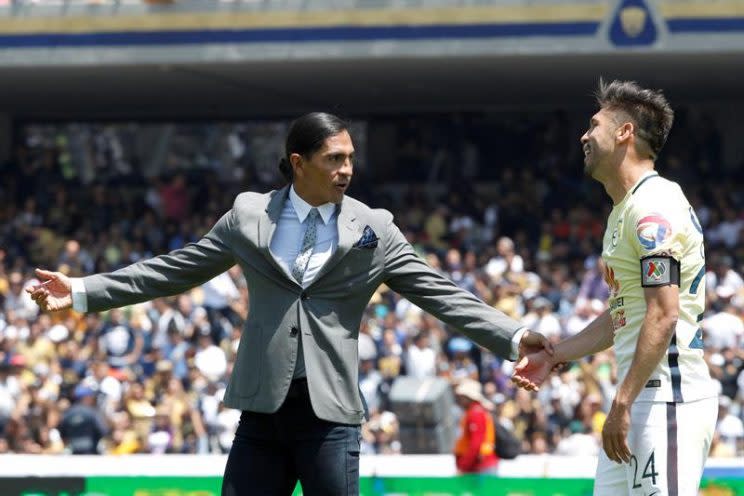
347 235
267 225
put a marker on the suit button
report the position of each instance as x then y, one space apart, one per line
304 296
293 331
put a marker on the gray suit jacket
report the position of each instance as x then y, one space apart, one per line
326 315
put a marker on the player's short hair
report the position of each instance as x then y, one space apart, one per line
648 110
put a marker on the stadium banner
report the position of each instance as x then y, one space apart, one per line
27 486
191 31
370 486
412 475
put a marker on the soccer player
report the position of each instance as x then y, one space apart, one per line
658 432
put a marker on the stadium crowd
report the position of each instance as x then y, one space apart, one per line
150 378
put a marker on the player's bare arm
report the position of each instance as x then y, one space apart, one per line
662 310
534 368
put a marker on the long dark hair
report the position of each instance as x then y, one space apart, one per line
307 135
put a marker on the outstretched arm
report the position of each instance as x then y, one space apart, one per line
164 275
662 310
533 369
409 275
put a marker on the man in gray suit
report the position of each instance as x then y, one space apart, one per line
312 258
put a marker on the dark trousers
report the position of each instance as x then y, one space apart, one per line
272 451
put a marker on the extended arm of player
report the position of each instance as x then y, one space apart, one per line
596 337
534 368
662 310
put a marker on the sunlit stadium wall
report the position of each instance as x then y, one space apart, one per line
112 32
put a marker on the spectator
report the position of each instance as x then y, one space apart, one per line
210 359
723 282
506 262
593 285
174 197
17 301
583 314
542 319
119 342
475 450
220 293
579 443
462 366
78 260
724 329
729 428
82 427
420 357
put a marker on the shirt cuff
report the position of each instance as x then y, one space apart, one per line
515 343
79 296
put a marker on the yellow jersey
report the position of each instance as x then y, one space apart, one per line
654 238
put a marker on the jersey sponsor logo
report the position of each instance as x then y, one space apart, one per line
617 303
653 230
619 320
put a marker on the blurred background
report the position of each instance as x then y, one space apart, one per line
128 127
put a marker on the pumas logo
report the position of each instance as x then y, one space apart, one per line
653 230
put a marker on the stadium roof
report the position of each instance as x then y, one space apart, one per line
356 87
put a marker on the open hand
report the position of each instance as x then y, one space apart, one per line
532 370
615 433
54 293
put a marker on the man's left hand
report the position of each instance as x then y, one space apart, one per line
533 342
615 433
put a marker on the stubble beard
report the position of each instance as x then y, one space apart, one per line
589 167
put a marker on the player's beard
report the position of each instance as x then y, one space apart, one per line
590 166
592 162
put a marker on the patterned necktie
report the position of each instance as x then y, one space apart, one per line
308 243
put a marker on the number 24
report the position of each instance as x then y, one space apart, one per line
646 473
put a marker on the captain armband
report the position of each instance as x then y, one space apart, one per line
659 270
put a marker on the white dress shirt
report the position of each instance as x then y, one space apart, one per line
286 244
290 230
